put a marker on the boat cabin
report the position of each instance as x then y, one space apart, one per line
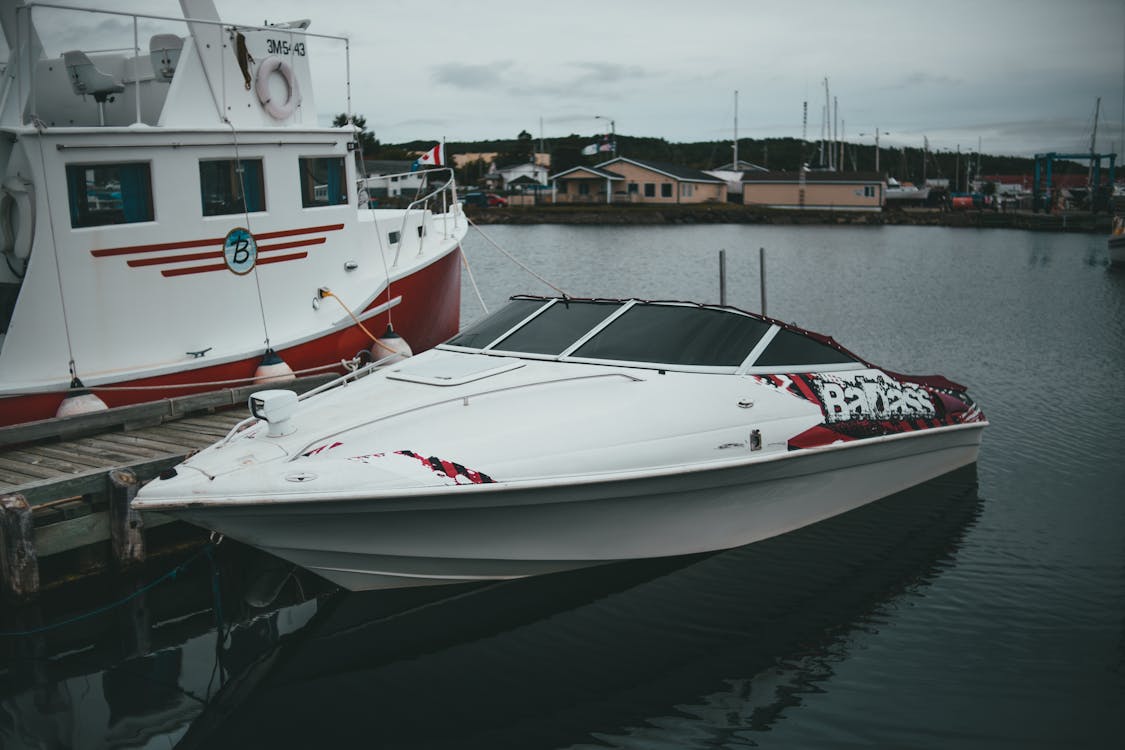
677 336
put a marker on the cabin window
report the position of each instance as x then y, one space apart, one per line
650 190
665 190
632 189
558 327
868 191
583 188
101 194
794 348
686 189
488 329
676 335
561 188
227 186
323 182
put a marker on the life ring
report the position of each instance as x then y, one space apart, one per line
277 110
17 220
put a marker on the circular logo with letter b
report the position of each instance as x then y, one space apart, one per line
240 250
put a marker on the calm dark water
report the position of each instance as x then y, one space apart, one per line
982 610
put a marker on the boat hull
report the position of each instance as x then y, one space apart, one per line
512 531
428 313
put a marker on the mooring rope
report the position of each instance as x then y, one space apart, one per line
512 258
473 281
207 551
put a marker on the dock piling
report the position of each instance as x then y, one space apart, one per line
126 526
19 565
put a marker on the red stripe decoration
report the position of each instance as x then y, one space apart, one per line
805 390
137 262
187 244
223 266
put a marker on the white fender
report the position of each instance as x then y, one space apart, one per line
17 219
277 110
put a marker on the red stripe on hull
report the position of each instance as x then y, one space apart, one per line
137 262
429 314
186 244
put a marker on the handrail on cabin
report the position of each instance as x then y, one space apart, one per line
449 185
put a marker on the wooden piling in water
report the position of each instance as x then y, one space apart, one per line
19 566
126 527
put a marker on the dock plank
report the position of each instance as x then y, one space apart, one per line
55 463
78 457
187 439
21 467
113 453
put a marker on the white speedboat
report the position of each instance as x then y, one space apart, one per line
559 433
172 214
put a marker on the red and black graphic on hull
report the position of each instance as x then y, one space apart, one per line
450 469
857 406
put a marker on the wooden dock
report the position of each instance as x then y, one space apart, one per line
65 484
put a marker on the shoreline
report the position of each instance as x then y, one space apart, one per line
639 215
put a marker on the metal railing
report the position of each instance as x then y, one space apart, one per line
26 28
446 191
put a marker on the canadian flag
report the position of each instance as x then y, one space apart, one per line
435 157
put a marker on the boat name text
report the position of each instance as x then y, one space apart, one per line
861 397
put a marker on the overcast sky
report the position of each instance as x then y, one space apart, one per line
1022 76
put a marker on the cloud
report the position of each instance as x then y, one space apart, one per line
463 76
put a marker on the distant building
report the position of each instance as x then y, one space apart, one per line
836 191
542 158
623 180
584 185
731 174
391 179
505 178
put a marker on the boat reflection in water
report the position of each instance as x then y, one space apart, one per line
559 659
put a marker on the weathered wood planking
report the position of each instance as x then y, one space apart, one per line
59 458
151 413
41 476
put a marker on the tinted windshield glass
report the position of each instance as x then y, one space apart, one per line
486 330
558 327
676 335
792 348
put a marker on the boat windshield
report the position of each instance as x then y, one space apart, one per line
660 334
558 327
676 335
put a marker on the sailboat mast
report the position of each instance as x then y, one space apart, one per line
735 162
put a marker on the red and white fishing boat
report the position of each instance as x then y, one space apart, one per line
172 215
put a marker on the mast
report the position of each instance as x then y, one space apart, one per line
735 162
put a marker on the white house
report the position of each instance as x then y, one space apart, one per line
391 179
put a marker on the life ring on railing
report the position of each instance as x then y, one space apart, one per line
277 110
17 221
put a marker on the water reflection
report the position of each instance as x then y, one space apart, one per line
691 648
688 649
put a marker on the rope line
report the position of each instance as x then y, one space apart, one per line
170 575
40 126
512 258
246 215
473 281
328 293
